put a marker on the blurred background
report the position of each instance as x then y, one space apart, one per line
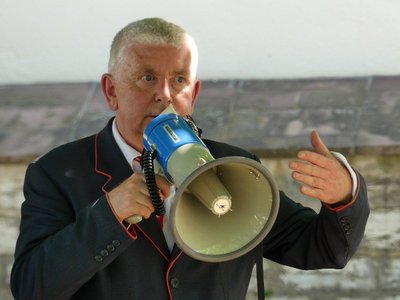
272 71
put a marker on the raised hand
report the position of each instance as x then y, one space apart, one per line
323 177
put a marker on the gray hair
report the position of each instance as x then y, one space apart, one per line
154 31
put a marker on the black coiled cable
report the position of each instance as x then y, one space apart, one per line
150 177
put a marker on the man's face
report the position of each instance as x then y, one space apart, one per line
145 83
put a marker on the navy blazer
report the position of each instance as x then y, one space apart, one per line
71 245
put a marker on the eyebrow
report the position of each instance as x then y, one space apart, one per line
139 71
148 69
182 72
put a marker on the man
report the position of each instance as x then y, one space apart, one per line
74 242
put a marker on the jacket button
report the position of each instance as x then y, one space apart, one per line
104 252
174 282
348 231
98 258
344 220
110 248
116 243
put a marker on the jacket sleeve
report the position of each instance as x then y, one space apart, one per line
59 249
304 239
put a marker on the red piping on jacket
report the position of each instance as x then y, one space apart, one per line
129 229
167 275
96 155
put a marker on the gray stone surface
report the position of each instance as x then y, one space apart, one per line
355 115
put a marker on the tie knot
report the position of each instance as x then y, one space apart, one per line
137 164
138 159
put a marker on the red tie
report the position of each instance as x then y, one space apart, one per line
160 220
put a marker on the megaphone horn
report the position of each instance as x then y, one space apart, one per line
223 207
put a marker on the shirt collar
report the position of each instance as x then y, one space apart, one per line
128 151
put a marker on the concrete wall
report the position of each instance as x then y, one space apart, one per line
374 272
11 197
54 41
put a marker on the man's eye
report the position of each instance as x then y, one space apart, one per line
180 79
148 77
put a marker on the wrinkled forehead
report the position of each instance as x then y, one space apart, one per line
179 41
182 57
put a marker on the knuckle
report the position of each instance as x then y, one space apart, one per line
148 213
314 181
313 170
331 163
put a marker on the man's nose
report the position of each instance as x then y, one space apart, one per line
164 92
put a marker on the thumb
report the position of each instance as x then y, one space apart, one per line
318 144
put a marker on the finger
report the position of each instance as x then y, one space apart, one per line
143 200
139 184
308 169
312 192
311 181
318 145
315 158
143 210
163 185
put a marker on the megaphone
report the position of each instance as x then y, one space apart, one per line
223 207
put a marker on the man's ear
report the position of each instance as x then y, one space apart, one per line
195 94
108 87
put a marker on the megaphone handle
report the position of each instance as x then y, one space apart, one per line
150 177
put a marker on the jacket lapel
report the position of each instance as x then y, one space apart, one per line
109 158
111 163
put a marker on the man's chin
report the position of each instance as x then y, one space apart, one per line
148 120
